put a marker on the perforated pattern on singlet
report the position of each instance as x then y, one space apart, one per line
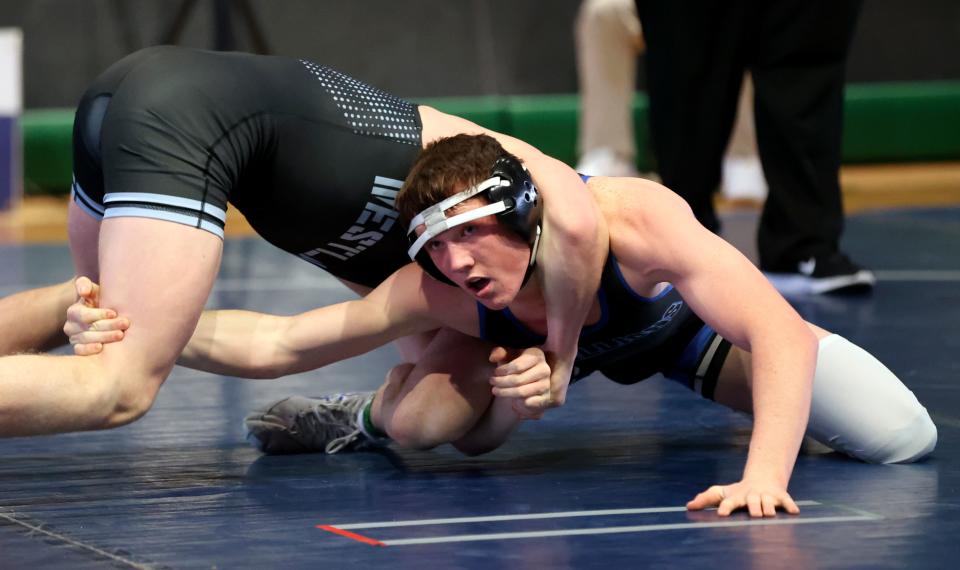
368 110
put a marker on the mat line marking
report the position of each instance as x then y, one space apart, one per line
531 516
351 535
621 529
917 275
943 419
76 543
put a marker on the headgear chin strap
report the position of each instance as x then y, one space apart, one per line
512 198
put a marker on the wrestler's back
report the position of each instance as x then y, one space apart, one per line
311 157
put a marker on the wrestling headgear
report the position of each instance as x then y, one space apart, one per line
512 198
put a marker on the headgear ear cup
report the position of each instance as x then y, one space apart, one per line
524 210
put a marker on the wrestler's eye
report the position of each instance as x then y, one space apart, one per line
434 245
468 230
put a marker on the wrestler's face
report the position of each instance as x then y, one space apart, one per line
482 257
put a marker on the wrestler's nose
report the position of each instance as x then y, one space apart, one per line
459 258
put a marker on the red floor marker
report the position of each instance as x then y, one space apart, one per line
348 534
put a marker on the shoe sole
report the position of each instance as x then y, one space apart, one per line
791 284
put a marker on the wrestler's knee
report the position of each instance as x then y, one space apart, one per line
411 428
119 396
910 442
861 408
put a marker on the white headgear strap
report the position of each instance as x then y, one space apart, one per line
435 217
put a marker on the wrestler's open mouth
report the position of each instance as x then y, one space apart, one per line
477 284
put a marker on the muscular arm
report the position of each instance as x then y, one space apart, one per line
573 246
255 345
573 249
43 309
663 240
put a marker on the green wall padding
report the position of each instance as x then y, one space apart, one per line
487 112
902 122
891 122
47 155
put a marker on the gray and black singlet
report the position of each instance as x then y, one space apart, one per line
635 338
313 158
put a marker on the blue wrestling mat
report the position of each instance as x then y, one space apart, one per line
600 483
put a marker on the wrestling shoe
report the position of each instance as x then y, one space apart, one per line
302 425
605 162
830 274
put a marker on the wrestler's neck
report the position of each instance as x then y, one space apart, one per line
530 308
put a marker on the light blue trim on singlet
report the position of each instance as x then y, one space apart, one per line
164 200
85 202
134 212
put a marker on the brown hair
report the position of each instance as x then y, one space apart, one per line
445 167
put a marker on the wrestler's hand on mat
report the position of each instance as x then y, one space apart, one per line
760 498
88 326
523 375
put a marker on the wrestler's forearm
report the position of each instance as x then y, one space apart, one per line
255 345
33 320
782 387
234 343
570 271
573 252
573 247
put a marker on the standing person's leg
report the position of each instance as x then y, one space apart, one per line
694 69
608 40
859 407
146 267
742 174
801 50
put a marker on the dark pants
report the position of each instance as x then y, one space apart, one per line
697 52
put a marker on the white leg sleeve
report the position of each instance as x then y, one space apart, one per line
861 408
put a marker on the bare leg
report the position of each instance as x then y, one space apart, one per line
608 40
158 273
735 383
441 397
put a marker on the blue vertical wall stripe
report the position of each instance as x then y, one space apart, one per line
8 161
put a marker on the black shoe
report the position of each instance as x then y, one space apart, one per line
834 273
